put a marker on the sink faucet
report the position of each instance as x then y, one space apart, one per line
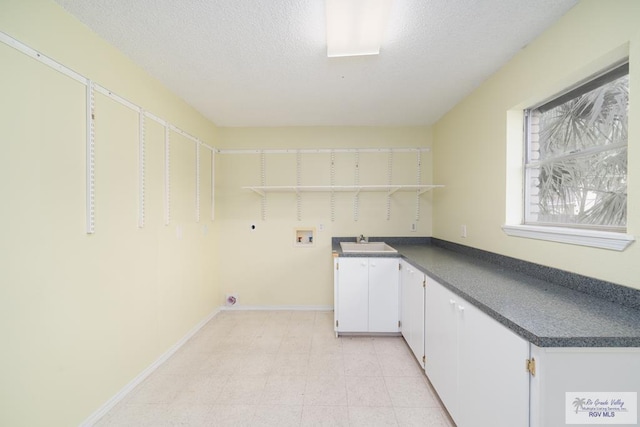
361 239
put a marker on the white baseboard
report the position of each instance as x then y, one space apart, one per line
109 404
278 307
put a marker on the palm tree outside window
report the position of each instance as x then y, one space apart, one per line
576 156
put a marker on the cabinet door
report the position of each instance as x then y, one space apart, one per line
493 384
353 295
412 309
405 302
441 343
384 294
565 374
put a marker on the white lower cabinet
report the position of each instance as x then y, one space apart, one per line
564 375
476 365
367 294
479 367
441 344
384 295
412 308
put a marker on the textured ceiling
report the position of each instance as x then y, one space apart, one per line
264 63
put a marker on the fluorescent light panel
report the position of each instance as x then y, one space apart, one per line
355 27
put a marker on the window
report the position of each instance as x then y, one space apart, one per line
576 156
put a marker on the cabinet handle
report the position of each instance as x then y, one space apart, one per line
460 308
373 264
452 302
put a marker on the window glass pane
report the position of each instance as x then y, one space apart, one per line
587 189
576 172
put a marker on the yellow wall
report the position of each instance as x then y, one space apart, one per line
81 315
264 267
471 143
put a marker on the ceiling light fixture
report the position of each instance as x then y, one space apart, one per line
355 27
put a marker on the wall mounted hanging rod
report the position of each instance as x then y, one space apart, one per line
52 63
10 41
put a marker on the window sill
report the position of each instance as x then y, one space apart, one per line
592 238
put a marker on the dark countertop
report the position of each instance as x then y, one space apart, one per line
544 313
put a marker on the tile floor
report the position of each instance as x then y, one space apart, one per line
282 368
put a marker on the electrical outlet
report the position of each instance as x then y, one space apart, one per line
463 231
414 226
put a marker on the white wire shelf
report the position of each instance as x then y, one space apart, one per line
390 189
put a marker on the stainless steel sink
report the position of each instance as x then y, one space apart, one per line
366 247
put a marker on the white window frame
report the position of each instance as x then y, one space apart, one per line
575 236
585 236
